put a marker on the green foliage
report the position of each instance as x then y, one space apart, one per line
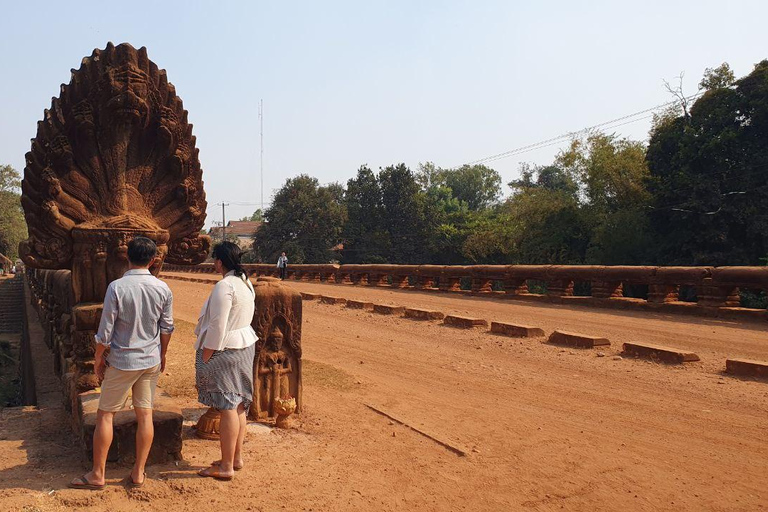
256 216
13 227
717 78
709 176
305 220
366 239
698 194
403 214
476 185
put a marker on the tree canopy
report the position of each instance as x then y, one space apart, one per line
696 194
13 227
305 220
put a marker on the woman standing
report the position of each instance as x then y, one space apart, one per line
224 359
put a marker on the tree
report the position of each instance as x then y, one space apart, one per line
717 78
256 216
545 221
477 185
365 238
402 213
709 175
305 220
13 227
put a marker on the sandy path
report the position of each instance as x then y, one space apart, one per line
546 428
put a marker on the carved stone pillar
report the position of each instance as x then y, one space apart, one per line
661 293
560 288
718 296
482 285
607 289
425 283
515 286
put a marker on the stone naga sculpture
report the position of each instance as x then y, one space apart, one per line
114 158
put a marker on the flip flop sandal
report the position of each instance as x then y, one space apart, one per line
85 485
131 484
215 475
218 463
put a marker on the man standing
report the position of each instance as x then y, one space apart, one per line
282 264
136 326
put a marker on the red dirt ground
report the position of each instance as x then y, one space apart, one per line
545 428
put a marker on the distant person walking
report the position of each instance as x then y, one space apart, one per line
136 326
225 350
282 265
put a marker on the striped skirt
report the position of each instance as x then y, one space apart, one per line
226 380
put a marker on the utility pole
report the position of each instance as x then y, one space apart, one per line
261 151
223 220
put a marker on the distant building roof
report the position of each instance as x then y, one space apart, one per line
240 228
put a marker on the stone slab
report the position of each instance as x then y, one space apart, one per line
423 314
747 367
385 309
464 322
167 419
516 331
310 296
86 317
359 304
327 299
660 353
577 340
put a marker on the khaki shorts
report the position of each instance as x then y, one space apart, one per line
117 384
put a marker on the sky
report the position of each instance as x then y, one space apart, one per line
346 83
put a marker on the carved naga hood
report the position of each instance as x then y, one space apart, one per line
114 152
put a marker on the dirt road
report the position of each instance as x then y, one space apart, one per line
545 428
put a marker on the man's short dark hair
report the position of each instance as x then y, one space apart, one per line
141 251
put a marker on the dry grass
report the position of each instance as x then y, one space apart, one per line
179 377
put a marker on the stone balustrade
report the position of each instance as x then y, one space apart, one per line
698 290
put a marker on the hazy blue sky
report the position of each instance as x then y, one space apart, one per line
351 82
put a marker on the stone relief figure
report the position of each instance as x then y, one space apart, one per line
277 367
273 376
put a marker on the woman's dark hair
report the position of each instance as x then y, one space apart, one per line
229 255
141 251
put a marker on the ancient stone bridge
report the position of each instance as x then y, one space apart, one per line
710 291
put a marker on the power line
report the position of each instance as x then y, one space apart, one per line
568 135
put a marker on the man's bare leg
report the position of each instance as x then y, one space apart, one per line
145 433
102 440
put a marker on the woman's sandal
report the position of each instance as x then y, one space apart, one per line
218 463
83 483
130 483
214 474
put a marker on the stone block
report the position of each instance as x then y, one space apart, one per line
747 368
384 309
660 353
358 304
464 322
86 317
577 340
516 331
166 417
310 296
423 314
327 299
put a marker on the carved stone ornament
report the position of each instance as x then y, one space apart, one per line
114 157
